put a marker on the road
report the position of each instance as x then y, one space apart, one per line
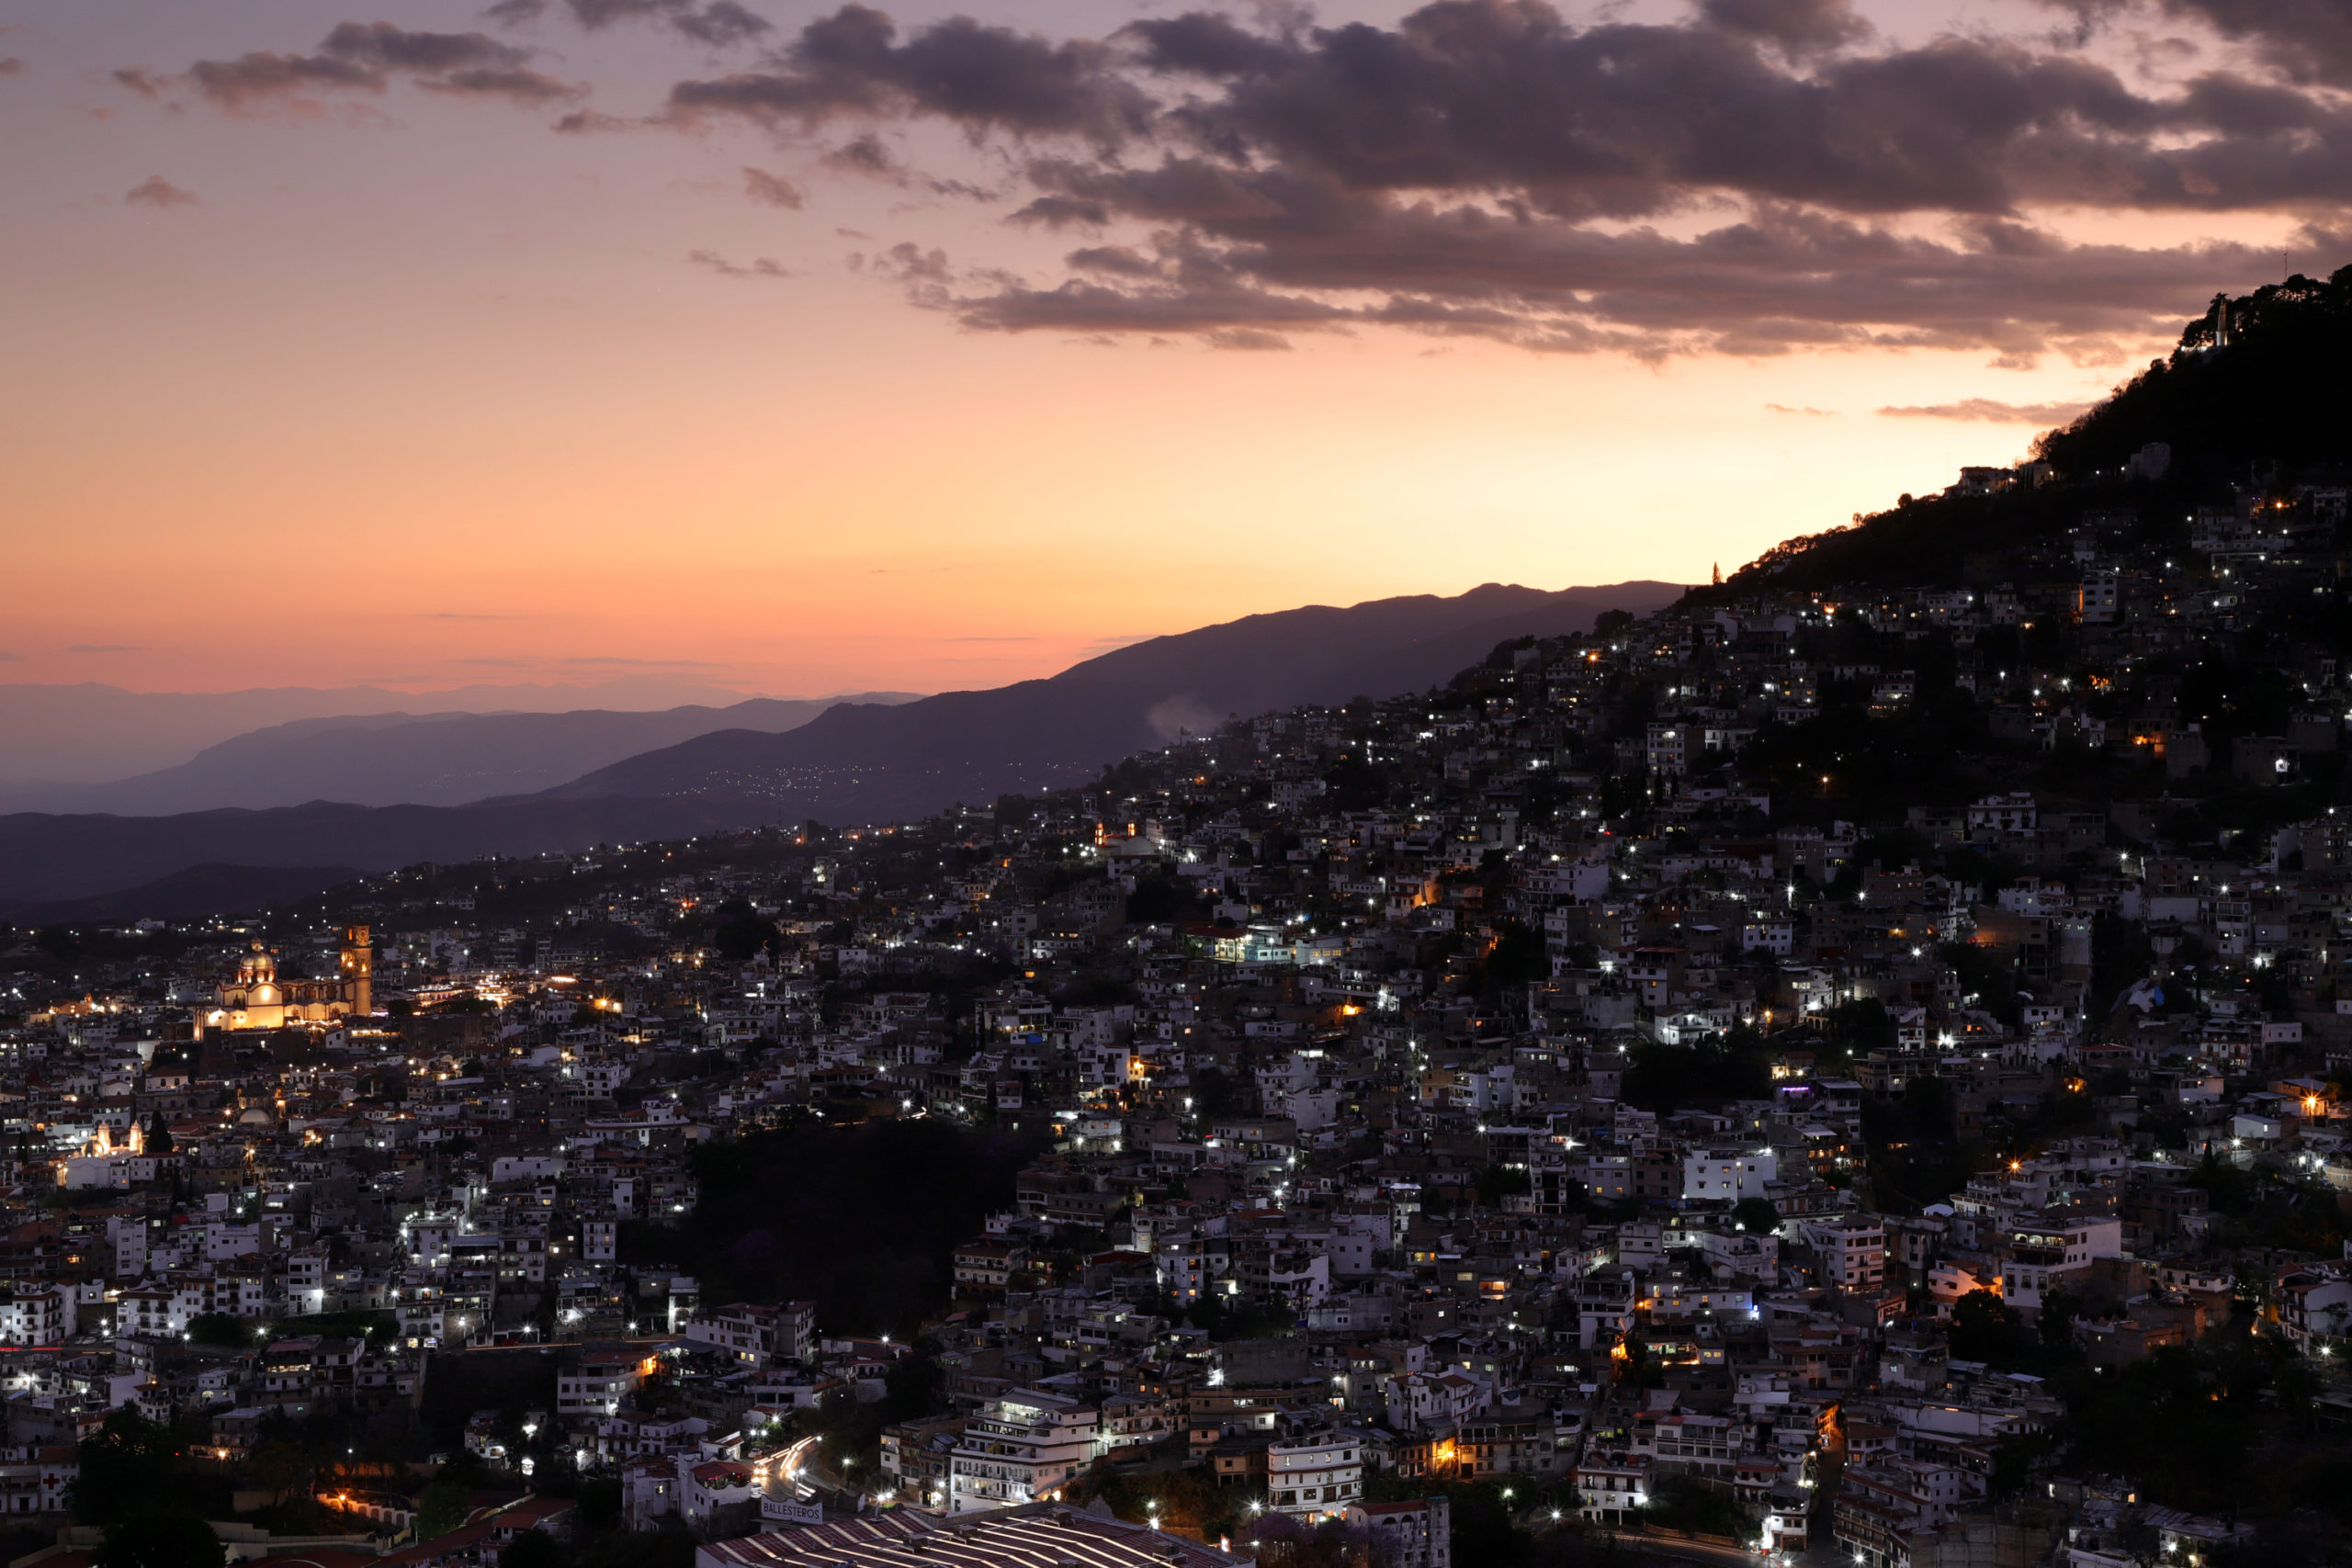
1695 1551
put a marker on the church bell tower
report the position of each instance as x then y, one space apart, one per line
358 970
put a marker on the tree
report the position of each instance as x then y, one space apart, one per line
910 1388
1517 957
1986 1328
860 1220
2060 1308
219 1328
600 1503
161 1540
1756 1214
1499 1181
123 1467
532 1549
280 1466
442 1508
1158 900
740 931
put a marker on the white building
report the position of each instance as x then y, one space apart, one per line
758 1337
1998 815
1609 1486
35 1315
1852 1249
1728 1175
1315 1476
2043 1255
1019 1448
598 1384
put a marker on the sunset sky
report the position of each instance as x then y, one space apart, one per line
806 348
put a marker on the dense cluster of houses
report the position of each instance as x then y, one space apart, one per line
1593 1078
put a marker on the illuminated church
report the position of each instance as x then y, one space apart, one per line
258 999
104 1162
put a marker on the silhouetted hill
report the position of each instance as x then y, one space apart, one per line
197 891
394 759
87 731
2272 405
861 761
2277 392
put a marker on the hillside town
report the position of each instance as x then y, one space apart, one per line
1837 1073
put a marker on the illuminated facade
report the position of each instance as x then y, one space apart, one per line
257 998
104 1162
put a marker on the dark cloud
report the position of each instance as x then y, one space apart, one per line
1626 120
773 190
1989 411
988 78
365 57
963 189
587 122
520 85
1507 97
719 23
1062 212
1761 177
1817 413
11 66
911 263
1777 280
867 154
139 81
157 191
1249 339
1794 25
760 267
264 76
388 48
1118 261
2306 40
1488 168
1201 43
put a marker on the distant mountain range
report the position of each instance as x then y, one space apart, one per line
858 761
88 732
59 867
854 762
398 759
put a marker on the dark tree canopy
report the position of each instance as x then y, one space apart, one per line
164 1540
860 1220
